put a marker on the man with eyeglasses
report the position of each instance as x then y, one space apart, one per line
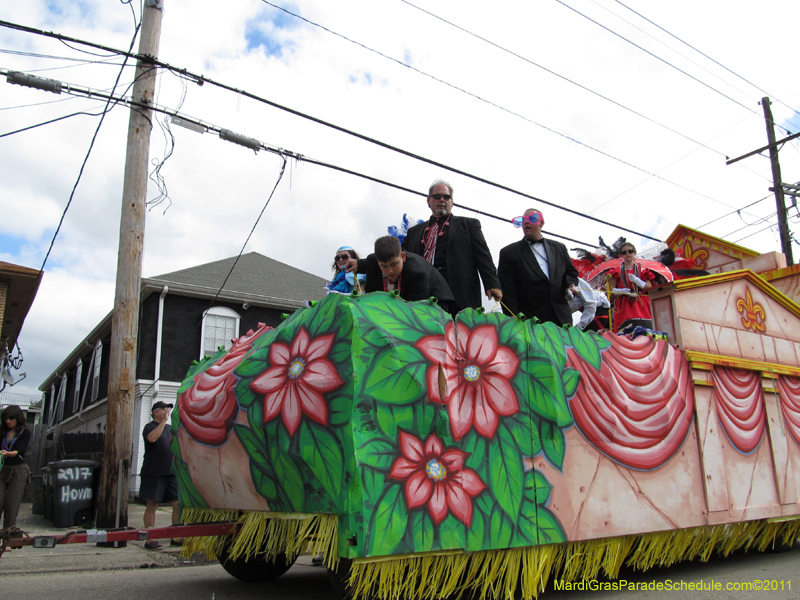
537 273
455 246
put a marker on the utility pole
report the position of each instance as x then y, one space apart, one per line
113 496
778 185
777 182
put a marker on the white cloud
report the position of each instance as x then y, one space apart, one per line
217 189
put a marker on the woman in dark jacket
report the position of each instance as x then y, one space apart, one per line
15 437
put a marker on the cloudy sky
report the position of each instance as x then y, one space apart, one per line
623 111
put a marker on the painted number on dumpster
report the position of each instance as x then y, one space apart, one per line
74 474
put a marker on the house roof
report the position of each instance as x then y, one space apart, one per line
23 283
255 278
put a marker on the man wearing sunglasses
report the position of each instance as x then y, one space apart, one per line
536 273
455 246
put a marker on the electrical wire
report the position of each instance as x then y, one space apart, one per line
734 212
179 353
80 175
562 77
499 107
658 58
201 79
716 62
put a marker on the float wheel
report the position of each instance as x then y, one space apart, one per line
257 569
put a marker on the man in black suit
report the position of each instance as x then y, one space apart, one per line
455 246
536 273
389 269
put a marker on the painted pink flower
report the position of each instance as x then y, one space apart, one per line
477 372
209 408
298 379
436 477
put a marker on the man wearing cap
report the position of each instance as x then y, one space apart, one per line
158 483
536 273
455 246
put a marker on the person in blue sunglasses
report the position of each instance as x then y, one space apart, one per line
536 274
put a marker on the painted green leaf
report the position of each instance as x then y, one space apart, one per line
253 445
255 415
424 418
384 416
475 445
549 339
244 394
340 407
188 494
253 364
341 353
506 471
264 485
525 533
484 503
585 346
543 488
388 523
527 437
554 444
378 454
422 531
325 315
549 528
287 473
322 453
476 535
571 378
396 319
541 386
372 482
452 533
397 376
601 342
501 528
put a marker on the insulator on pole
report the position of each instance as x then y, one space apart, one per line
40 83
240 139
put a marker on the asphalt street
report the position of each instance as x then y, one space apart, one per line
86 572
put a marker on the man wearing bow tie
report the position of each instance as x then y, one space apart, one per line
536 274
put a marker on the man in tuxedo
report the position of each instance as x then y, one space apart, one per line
456 248
536 273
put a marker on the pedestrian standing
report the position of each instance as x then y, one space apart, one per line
159 484
14 475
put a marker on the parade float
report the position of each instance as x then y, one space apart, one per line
486 456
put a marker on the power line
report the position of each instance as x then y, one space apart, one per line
562 77
489 102
666 62
201 126
716 62
734 212
200 79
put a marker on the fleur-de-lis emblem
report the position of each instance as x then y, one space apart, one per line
698 256
753 316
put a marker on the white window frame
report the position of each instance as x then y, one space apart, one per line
97 360
218 311
76 396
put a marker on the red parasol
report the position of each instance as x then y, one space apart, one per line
598 274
